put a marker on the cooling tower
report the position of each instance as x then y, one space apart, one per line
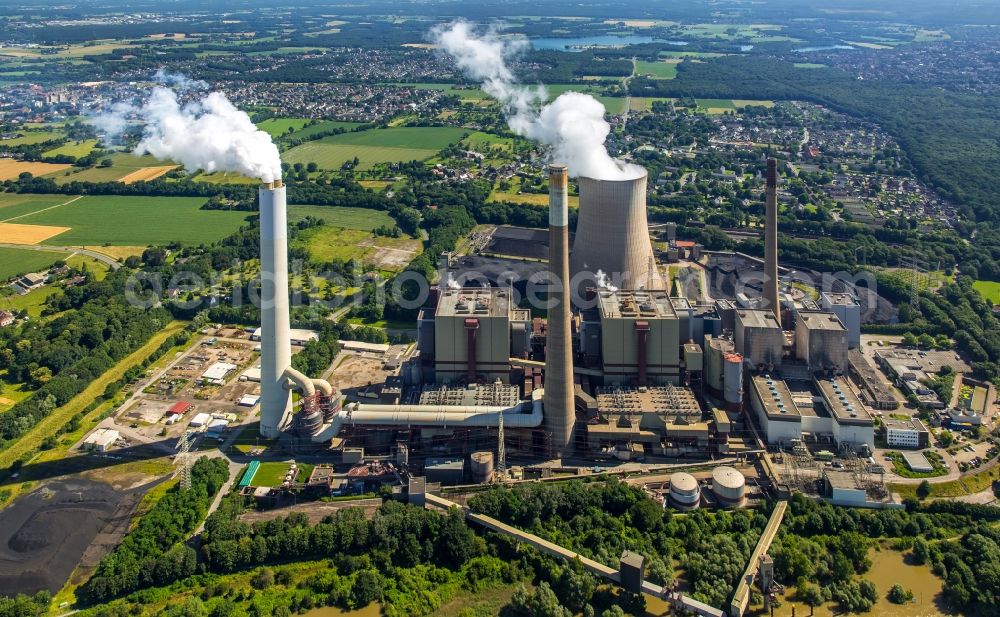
275 343
771 241
560 412
612 235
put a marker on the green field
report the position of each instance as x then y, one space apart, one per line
659 70
273 473
122 164
31 137
22 261
989 290
337 216
320 127
375 146
328 243
809 65
225 177
77 149
276 127
137 221
14 205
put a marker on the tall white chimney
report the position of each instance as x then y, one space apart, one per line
275 343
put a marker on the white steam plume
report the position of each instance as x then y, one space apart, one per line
572 126
210 134
179 81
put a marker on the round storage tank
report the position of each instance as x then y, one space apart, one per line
685 494
482 466
732 381
729 487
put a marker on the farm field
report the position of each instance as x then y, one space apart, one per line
22 261
320 127
122 164
338 216
11 169
276 127
645 103
989 290
225 177
375 146
534 199
77 149
31 137
19 233
146 173
659 70
134 221
13 205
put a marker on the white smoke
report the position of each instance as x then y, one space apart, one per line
179 81
603 282
209 134
572 126
452 283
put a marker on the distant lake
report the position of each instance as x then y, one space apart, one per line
826 48
607 40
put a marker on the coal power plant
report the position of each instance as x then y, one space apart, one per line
622 368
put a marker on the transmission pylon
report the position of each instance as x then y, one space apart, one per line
183 459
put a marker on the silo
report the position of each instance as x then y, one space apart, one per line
732 381
685 494
729 487
481 466
612 235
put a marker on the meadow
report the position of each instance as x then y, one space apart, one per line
989 290
375 146
31 137
14 205
659 70
276 127
76 149
137 221
338 216
22 261
11 169
320 127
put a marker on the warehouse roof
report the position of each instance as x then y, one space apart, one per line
820 320
635 304
757 318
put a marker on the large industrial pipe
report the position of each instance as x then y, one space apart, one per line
442 416
560 411
642 332
771 241
303 384
275 343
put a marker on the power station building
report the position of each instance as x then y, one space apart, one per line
472 335
847 308
758 337
821 341
640 337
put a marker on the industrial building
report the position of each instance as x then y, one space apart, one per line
821 341
101 440
640 342
665 420
847 308
827 409
216 374
472 335
909 433
758 338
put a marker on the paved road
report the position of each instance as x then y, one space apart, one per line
65 249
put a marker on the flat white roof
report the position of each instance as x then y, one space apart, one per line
296 335
200 419
252 373
363 346
218 371
102 436
249 400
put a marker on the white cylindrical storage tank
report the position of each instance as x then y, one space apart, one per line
732 381
685 494
729 487
275 342
482 466
612 234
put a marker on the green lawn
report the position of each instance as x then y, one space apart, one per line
77 149
659 70
33 302
270 474
337 216
22 261
989 290
137 221
225 177
375 146
320 127
329 243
